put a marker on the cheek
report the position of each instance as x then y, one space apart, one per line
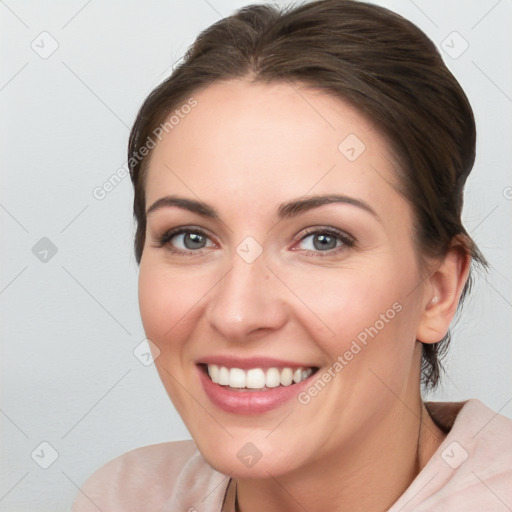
169 307
367 335
168 303
341 304
363 315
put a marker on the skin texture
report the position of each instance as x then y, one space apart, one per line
245 149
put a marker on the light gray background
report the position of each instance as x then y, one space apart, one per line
70 325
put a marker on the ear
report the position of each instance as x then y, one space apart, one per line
442 293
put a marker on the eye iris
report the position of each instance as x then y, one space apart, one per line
324 242
194 240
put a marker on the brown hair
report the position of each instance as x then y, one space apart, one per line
367 56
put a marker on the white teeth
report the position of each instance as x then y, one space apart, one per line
223 376
213 371
257 378
272 378
237 378
286 376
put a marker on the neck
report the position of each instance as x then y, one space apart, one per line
385 462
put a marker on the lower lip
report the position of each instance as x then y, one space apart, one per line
249 401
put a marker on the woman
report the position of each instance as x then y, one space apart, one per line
298 191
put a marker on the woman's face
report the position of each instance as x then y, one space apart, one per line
294 254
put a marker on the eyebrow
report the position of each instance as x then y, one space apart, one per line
187 204
298 206
285 211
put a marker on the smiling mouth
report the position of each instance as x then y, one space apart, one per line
256 379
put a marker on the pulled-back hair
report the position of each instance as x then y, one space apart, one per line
367 56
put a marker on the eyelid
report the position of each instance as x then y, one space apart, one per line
164 239
347 240
328 230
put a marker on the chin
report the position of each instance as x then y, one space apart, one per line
244 459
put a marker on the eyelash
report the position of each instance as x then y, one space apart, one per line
347 241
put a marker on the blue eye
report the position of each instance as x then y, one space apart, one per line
321 242
182 240
191 240
326 241
317 241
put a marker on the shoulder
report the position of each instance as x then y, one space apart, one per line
478 458
150 478
472 468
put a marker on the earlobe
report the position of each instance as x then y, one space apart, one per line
442 293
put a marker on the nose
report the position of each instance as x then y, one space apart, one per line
247 301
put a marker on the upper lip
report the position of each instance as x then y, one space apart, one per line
252 362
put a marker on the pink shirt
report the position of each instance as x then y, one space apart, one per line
470 471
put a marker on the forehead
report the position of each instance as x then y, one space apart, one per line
266 143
